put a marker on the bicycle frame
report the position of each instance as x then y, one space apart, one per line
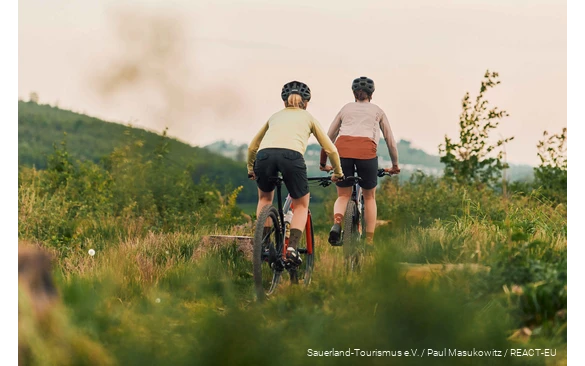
282 209
288 206
268 252
358 197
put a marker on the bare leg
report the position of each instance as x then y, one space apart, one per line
301 210
371 213
343 197
264 198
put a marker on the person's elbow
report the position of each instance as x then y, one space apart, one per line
331 150
252 150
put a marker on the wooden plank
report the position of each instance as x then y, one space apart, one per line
446 267
414 272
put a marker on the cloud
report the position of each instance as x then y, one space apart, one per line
154 63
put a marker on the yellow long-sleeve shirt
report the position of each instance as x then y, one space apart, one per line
291 128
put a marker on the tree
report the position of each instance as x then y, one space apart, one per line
241 153
33 97
551 174
473 159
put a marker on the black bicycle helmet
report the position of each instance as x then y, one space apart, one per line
296 87
363 83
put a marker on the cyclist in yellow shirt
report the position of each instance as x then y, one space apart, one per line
279 146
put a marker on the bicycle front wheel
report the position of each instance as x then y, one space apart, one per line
267 253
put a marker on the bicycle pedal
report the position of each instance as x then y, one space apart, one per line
266 256
278 265
292 265
339 242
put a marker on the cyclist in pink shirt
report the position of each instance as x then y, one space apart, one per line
356 132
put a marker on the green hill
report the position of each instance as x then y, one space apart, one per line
88 138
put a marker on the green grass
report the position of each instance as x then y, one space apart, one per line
154 294
151 301
249 208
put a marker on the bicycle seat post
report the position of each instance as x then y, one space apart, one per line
279 198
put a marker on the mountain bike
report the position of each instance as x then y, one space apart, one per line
269 250
354 227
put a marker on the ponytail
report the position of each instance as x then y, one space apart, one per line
295 101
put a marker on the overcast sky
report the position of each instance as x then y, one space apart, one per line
213 70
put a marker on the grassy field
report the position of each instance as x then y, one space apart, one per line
154 294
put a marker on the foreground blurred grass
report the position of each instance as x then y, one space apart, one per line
149 301
149 296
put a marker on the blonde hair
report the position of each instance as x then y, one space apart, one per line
295 101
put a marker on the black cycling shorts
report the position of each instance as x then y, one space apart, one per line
290 163
367 169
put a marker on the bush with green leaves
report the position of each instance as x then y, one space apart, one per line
473 159
533 276
132 192
551 175
423 199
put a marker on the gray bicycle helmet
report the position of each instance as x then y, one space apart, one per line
296 87
363 83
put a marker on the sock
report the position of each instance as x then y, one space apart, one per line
294 238
337 218
370 237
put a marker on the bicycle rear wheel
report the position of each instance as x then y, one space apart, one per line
351 237
307 251
362 230
266 256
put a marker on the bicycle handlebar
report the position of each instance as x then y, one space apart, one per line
325 181
383 172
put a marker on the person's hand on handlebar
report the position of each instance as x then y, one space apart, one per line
337 177
325 168
394 170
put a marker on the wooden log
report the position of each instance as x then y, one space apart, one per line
424 272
